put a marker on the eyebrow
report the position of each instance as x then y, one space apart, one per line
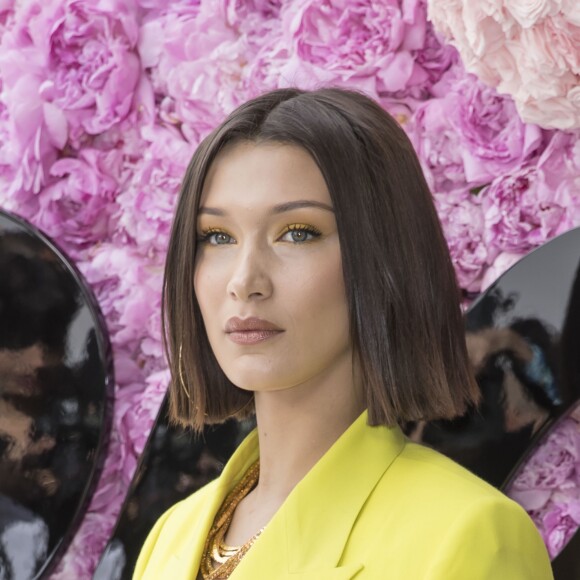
280 208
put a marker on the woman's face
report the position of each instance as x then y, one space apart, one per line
268 276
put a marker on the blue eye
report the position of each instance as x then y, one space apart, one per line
216 238
299 234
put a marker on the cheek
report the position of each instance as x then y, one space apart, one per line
207 283
320 296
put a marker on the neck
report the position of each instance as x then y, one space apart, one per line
297 426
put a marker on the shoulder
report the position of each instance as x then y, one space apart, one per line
462 525
418 464
432 482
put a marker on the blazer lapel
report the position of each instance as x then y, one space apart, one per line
307 536
187 554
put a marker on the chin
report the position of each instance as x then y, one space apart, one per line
257 381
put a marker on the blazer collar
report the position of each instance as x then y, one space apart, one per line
309 532
242 459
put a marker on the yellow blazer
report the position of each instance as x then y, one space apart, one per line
375 506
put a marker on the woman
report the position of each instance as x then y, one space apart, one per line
308 281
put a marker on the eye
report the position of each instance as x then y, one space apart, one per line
215 237
299 234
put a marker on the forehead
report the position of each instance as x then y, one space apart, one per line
249 174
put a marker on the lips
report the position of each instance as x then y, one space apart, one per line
251 330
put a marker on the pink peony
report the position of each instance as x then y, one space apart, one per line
354 41
435 58
548 484
6 14
66 69
554 462
128 286
559 170
501 264
28 145
462 220
527 49
244 14
78 208
470 135
559 525
437 143
195 61
85 62
147 204
140 407
383 48
519 214
528 207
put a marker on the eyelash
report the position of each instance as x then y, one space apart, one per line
314 232
207 234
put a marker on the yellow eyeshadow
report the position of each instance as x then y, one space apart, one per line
294 227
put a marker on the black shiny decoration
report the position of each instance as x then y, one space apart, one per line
175 463
522 336
56 386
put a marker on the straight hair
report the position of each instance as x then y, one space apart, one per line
405 320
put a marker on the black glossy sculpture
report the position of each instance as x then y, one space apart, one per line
56 385
174 465
523 338
522 335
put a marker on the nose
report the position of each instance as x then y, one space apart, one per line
250 279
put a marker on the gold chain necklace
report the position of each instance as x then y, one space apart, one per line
216 551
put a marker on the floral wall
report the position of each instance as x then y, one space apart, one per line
102 103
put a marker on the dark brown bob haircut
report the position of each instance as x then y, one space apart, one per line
405 321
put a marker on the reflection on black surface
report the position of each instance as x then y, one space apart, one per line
517 371
567 565
522 337
174 465
55 376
